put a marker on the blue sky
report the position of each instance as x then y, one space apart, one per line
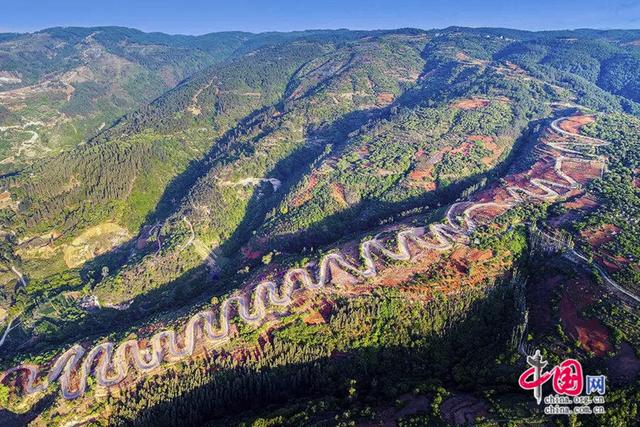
201 16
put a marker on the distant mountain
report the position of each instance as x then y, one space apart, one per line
61 86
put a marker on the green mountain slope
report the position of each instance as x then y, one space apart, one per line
350 128
231 159
66 84
62 86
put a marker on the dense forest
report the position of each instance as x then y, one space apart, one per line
618 192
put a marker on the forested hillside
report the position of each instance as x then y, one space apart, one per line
369 216
62 86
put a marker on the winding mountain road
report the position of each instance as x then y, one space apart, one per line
605 277
25 145
110 364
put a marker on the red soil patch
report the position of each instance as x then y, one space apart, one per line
574 209
476 255
581 171
489 144
511 70
582 203
249 253
243 354
142 241
255 248
419 174
313 318
600 236
431 271
459 255
318 316
611 265
305 194
341 277
546 170
480 138
487 214
337 192
471 103
397 275
422 176
363 151
422 173
514 67
463 57
464 254
384 98
573 124
463 148
437 156
577 294
593 336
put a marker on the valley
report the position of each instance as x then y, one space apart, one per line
299 228
459 223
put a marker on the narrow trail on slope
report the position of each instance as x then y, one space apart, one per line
23 281
19 275
201 249
275 183
110 364
6 331
25 145
194 108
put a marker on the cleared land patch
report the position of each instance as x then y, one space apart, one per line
93 242
471 103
